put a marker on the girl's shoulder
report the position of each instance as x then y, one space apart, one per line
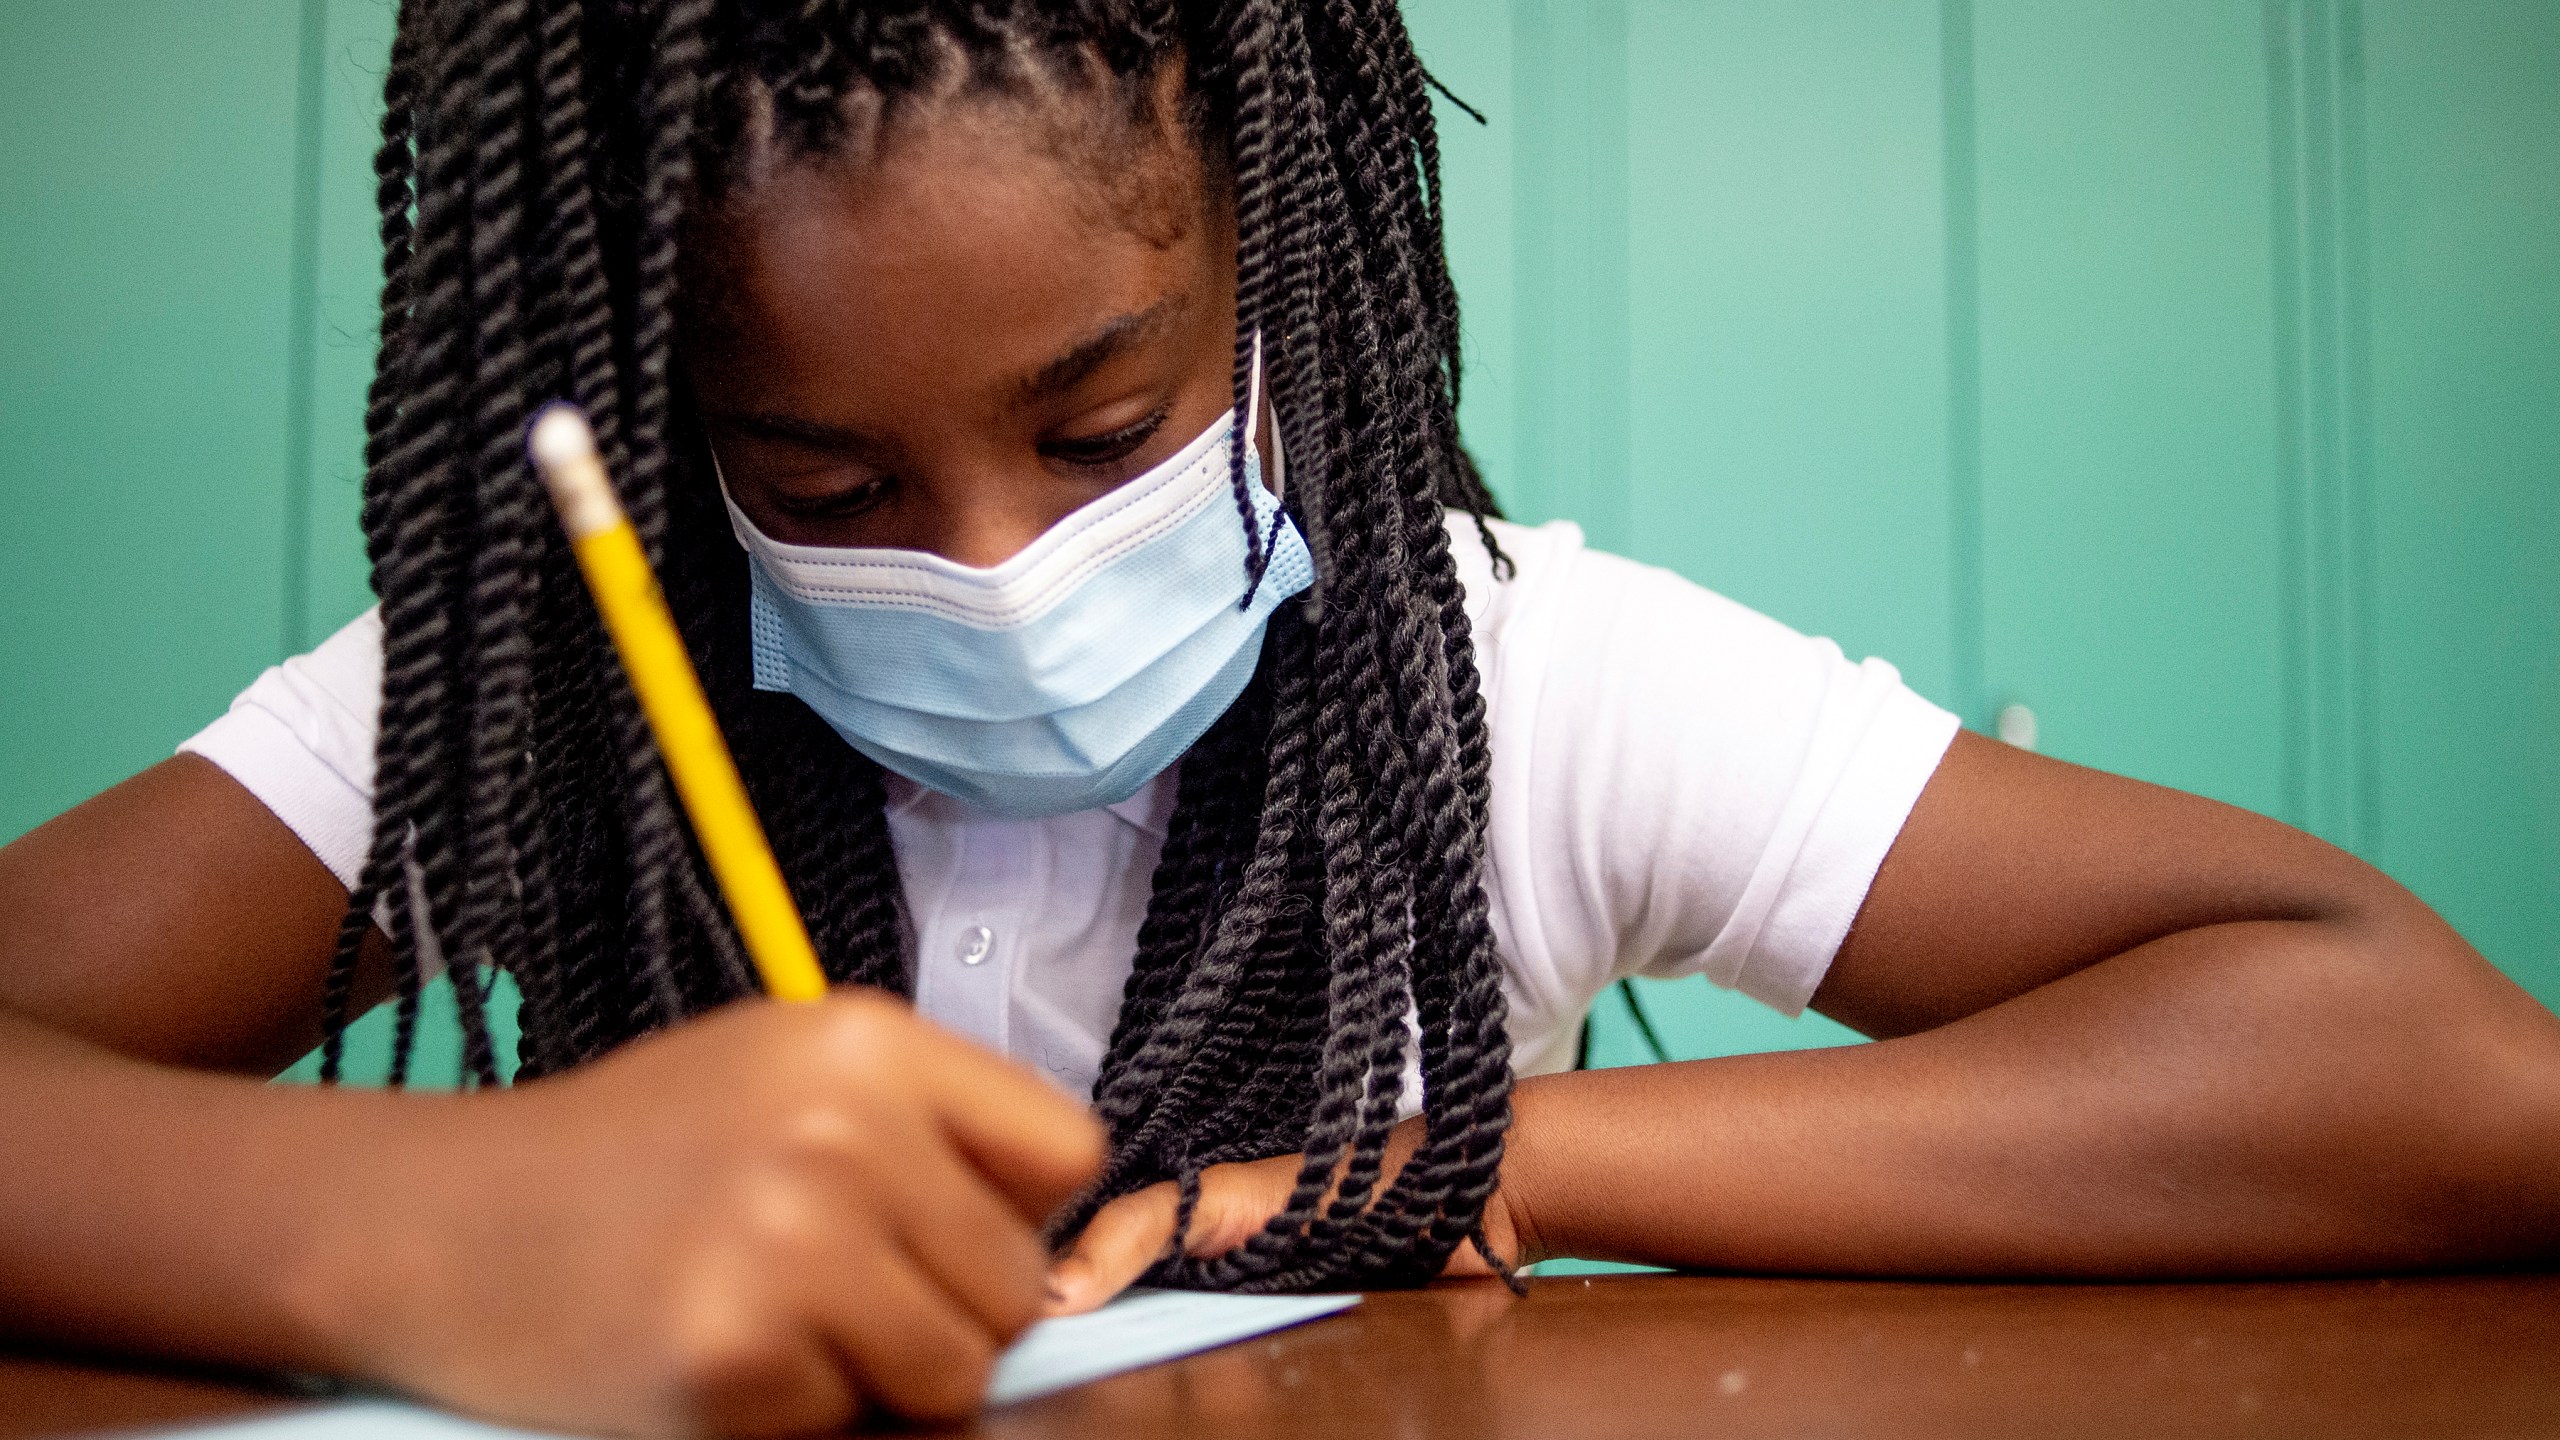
300 738
1680 784
1551 591
1533 554
1538 563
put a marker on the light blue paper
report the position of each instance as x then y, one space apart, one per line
356 1420
1141 1328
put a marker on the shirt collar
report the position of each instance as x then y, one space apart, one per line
1149 811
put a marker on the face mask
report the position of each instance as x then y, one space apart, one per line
1066 677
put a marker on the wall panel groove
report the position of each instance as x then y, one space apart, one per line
1964 362
2322 284
1571 263
302 360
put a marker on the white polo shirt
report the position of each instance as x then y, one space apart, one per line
1680 786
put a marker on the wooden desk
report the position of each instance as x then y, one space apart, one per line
1659 1355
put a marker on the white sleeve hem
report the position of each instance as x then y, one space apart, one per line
1860 820
326 812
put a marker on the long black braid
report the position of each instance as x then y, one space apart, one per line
1319 911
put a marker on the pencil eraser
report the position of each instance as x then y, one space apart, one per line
560 436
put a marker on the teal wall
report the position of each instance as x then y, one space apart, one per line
148 229
186 311
2187 371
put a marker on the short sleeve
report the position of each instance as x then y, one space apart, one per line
301 739
1680 784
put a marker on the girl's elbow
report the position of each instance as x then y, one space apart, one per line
2475 1062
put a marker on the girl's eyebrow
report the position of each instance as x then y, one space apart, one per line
1111 338
791 428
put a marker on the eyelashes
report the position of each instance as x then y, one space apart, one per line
1094 452
1107 449
840 505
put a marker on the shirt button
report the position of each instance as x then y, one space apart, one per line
975 942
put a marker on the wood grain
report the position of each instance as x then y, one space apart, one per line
1634 1356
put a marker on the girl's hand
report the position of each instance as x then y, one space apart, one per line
1127 1236
765 1222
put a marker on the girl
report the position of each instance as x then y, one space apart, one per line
1043 414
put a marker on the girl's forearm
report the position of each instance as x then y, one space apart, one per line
152 1210
2256 1098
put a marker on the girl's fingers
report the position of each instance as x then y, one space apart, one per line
738 1376
1122 1240
965 1236
907 1342
1125 1236
1036 1146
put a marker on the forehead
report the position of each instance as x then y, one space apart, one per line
995 220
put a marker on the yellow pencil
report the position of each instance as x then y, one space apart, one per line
635 613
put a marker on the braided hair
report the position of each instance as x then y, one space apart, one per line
1319 906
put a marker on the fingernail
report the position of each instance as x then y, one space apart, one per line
1065 1284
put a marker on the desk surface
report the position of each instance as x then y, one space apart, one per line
1659 1355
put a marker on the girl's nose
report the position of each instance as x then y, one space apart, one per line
982 525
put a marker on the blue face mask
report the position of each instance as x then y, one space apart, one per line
1066 677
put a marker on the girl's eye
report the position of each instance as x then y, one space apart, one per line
842 505
1105 449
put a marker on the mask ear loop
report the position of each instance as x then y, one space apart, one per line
738 522
1279 466
1313 602
1247 444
